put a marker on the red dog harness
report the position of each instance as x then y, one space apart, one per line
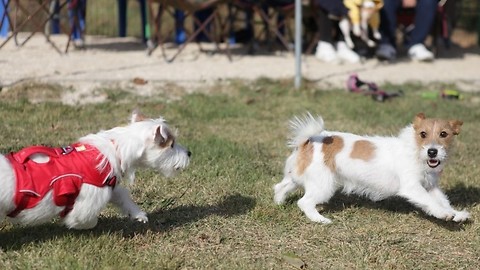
68 168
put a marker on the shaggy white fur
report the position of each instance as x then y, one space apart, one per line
143 143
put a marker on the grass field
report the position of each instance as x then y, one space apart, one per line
219 213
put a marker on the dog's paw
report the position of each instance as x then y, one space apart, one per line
141 217
357 30
449 217
444 214
279 200
279 196
461 216
327 221
321 219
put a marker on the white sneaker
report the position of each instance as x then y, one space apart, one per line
79 43
325 52
346 54
418 52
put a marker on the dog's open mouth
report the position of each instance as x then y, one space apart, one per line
433 163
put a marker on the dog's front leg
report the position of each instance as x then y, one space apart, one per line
419 196
344 26
122 199
460 216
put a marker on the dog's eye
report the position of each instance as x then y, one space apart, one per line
443 134
423 134
173 143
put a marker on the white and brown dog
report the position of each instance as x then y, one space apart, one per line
76 182
362 14
408 166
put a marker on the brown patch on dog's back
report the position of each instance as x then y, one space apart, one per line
331 146
304 157
363 150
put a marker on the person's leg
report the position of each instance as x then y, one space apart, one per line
425 12
386 49
180 35
325 26
388 21
325 50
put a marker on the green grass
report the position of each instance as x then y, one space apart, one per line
219 213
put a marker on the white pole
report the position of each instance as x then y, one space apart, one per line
298 43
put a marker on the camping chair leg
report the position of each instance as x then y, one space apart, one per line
19 8
212 18
78 12
9 20
281 37
153 41
190 38
43 7
223 36
16 28
207 26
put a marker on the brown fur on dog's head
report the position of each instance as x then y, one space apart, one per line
441 131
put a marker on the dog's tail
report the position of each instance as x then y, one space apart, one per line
303 128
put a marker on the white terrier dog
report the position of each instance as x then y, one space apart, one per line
77 181
408 166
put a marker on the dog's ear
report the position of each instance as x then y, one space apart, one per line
163 137
456 125
137 116
418 118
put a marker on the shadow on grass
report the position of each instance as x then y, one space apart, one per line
460 196
159 221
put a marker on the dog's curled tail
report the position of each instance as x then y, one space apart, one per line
303 128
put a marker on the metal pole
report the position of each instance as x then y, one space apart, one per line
298 43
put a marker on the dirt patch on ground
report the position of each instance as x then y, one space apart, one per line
82 76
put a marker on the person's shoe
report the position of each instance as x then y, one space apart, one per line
418 52
79 43
346 54
325 52
386 52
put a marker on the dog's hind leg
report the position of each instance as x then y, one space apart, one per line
87 207
287 185
283 188
317 190
122 199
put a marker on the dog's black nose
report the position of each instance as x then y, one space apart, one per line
432 152
189 153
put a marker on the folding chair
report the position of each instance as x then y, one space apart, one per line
281 11
241 23
275 17
207 27
20 15
4 20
